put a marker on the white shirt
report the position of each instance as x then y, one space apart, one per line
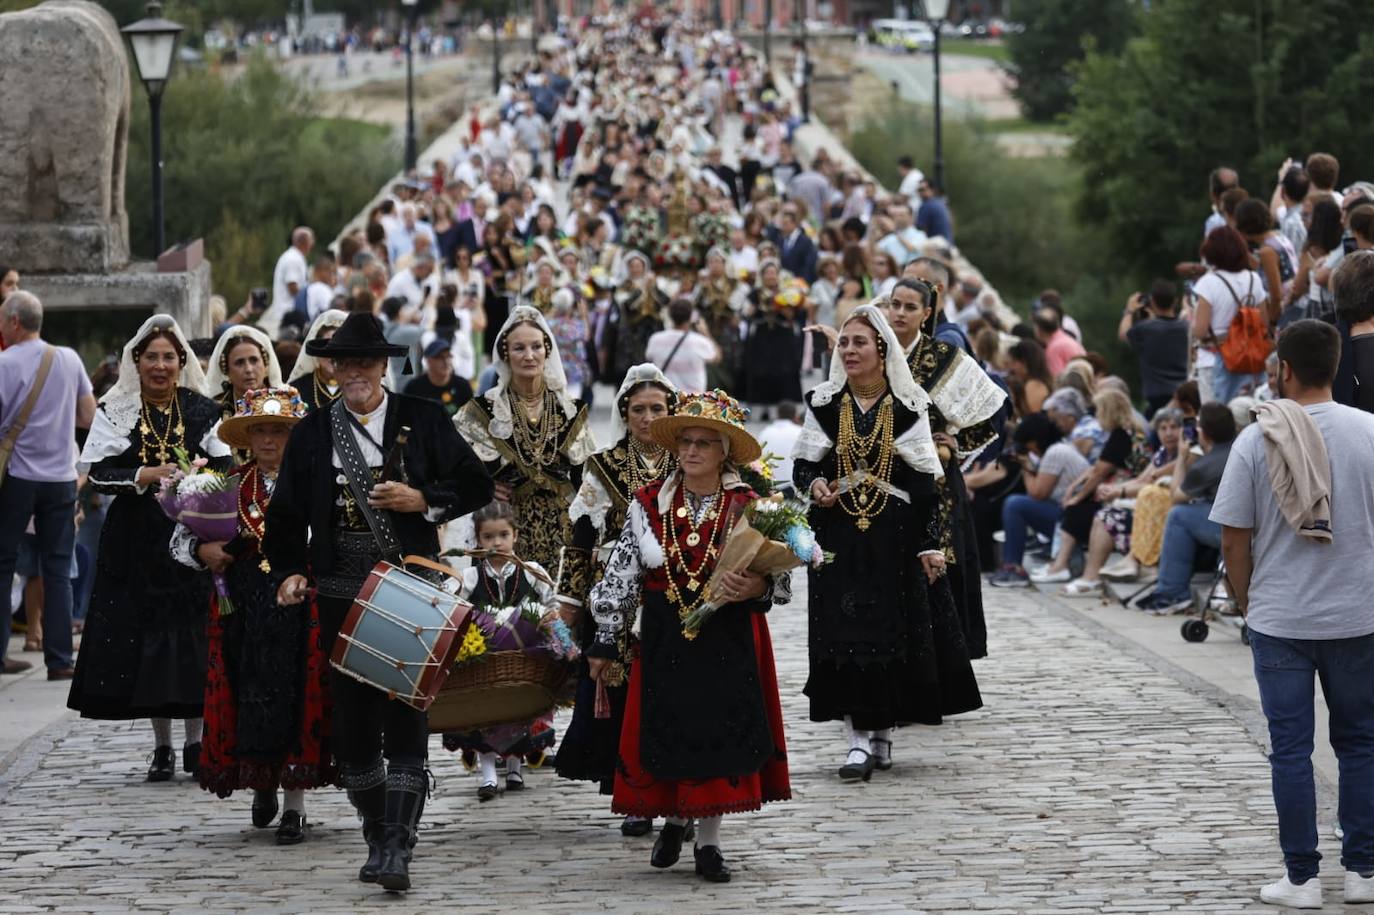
318 297
291 268
374 423
412 290
746 258
687 369
908 188
778 438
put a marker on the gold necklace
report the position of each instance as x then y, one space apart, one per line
870 392
323 397
675 555
867 498
535 441
160 444
643 468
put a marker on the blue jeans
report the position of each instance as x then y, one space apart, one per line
1185 530
53 509
1226 386
1017 513
1284 670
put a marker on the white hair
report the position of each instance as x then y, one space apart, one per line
25 308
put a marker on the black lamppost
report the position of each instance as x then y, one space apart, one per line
936 11
154 43
768 32
412 145
801 68
536 14
495 55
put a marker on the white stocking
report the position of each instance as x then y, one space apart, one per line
708 832
295 800
162 732
195 727
513 767
486 768
858 740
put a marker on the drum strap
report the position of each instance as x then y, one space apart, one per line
360 481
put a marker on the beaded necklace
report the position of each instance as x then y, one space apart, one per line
253 515
676 562
160 444
643 469
535 442
855 453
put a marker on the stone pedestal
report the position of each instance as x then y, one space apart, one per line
184 296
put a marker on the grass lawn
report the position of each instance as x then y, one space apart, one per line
968 47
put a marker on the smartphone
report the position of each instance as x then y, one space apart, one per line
257 299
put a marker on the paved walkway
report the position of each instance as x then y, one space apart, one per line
1097 779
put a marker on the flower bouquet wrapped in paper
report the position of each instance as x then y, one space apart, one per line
207 503
767 536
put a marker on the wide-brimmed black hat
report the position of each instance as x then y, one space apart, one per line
360 336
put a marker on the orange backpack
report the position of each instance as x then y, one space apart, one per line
1247 342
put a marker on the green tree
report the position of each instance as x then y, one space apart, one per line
1058 33
1014 218
1244 83
246 160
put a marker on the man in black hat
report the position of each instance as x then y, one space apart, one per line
331 519
439 382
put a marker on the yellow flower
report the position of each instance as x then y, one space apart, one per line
474 645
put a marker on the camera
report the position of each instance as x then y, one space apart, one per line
257 299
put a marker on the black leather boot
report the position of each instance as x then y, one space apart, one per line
405 796
366 787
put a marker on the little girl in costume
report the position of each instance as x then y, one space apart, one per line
509 598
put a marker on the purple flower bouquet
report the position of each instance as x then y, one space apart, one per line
207 503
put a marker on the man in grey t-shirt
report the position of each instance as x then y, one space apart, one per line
1310 614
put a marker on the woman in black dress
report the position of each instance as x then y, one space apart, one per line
772 349
313 376
886 644
531 434
610 480
266 708
143 651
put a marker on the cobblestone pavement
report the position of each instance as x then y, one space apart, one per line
1097 779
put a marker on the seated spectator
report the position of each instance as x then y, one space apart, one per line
1114 526
1188 527
1049 467
1068 410
1122 454
1027 368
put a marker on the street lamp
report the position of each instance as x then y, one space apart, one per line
495 55
154 43
768 32
801 66
412 150
936 11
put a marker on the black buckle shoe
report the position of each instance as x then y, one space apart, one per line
862 771
265 808
190 758
635 827
711 864
487 792
668 845
164 765
291 830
